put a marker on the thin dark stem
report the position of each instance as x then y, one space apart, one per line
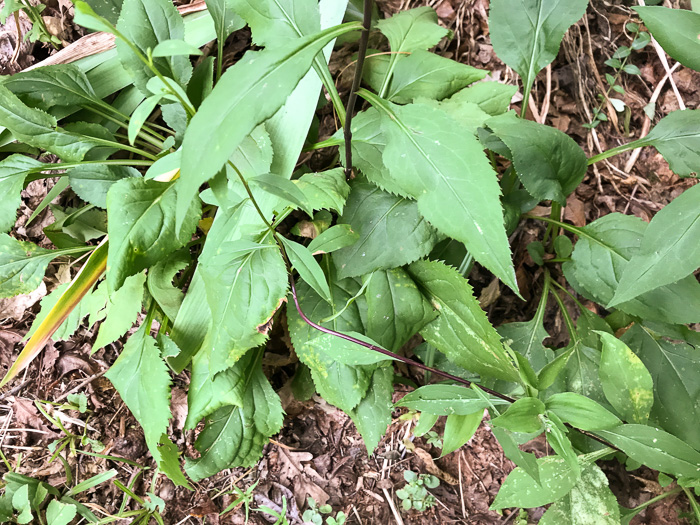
364 39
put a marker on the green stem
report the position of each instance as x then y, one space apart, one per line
616 151
636 510
324 74
693 503
328 143
570 326
555 214
119 145
155 140
38 173
252 198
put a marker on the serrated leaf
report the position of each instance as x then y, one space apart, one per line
520 490
86 17
140 115
276 22
143 382
234 436
655 448
91 182
445 400
396 309
675 370
160 283
142 226
492 97
462 331
309 270
147 23
252 90
549 163
444 167
372 415
244 290
676 30
459 430
226 20
526 338
522 416
580 373
13 170
123 307
526 34
627 383
334 238
468 114
326 190
425 74
39 129
172 47
283 188
601 254
581 412
590 502
392 232
669 250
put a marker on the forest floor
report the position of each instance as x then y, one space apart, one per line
319 453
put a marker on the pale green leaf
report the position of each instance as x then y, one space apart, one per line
526 34
333 348
468 114
526 338
527 461
655 448
443 166
13 170
392 232
86 17
627 383
142 226
590 502
425 74
492 97
226 20
326 190
234 436
396 309
160 283
334 238
91 182
522 416
276 22
580 374
675 370
676 30
412 30
445 400
58 513
462 331
123 307
309 270
669 250
599 259
581 411
249 93
459 430
244 290
147 23
549 163
169 48
283 188
140 115
372 415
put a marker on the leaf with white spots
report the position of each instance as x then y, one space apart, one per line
445 400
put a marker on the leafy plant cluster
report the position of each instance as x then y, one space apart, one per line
180 177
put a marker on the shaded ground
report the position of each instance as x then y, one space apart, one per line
319 453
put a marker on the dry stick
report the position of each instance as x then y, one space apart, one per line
364 39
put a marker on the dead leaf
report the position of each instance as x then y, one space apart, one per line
16 307
432 468
575 211
27 415
490 294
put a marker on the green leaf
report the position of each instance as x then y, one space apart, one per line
169 48
326 190
446 400
676 30
234 436
283 188
492 97
581 412
669 250
309 270
425 74
244 290
590 502
91 182
59 513
277 22
13 170
580 373
249 93
372 415
459 430
522 416
549 163
655 448
526 34
520 490
160 283
675 370
334 238
526 339
147 23
677 138
39 129
462 332
626 381
396 309
108 9
556 433
599 259
85 16
142 380
443 166
226 20
525 460
48 86
142 226
140 115
392 232
123 307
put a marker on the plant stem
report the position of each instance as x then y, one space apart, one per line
693 503
38 173
352 99
252 199
616 151
555 214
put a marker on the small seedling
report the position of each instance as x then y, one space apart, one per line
313 513
415 495
245 498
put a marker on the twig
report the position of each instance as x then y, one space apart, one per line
394 511
80 385
364 39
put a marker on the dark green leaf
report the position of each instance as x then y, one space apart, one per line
581 412
445 400
108 9
226 20
525 460
13 171
85 16
676 30
283 188
459 430
372 415
392 232
522 416
309 270
461 331
91 182
492 97
276 22
160 283
334 238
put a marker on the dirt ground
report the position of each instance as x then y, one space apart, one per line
319 453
